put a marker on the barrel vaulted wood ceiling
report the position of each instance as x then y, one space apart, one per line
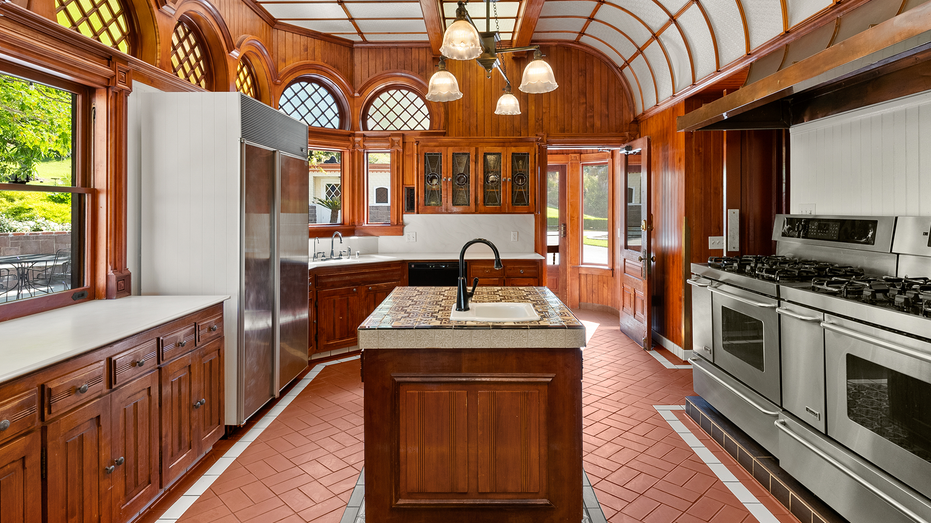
661 47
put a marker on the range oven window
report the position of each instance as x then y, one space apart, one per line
893 405
742 337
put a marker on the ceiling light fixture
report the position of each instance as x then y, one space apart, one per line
462 41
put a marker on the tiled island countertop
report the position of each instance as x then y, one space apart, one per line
418 317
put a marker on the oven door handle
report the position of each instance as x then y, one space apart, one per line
781 425
695 364
791 314
744 300
697 283
831 326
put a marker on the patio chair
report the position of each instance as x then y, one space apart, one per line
7 283
54 273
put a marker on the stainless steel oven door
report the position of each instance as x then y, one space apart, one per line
746 338
878 391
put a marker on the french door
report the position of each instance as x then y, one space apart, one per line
635 260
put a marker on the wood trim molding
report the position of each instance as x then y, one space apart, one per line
286 27
526 22
261 12
433 19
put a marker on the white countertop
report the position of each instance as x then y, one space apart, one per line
418 256
37 341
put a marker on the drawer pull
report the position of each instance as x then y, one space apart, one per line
83 388
200 403
140 363
5 424
182 343
522 271
213 328
110 469
119 461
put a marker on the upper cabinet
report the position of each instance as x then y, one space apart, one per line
446 183
506 179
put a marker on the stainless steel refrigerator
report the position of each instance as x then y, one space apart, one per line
224 211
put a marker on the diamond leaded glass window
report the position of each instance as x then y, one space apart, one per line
397 110
332 191
312 103
188 55
245 79
103 20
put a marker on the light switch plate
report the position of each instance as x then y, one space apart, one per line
514 236
806 208
716 242
411 237
733 230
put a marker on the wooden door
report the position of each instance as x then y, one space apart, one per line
311 318
134 417
78 454
339 317
179 446
374 295
208 424
557 241
21 480
635 253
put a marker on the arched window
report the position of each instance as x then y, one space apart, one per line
245 79
397 110
103 20
189 55
313 103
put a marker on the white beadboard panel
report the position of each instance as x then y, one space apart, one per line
873 161
134 182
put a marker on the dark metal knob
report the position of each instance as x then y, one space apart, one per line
200 403
353 290
140 363
83 388
182 343
213 328
522 271
5 424
119 461
110 469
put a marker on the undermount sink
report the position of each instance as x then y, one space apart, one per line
496 312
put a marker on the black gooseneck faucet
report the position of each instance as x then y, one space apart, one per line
462 295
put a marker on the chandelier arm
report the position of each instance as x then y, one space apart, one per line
519 49
501 70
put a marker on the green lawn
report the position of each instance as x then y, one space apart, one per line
55 207
54 173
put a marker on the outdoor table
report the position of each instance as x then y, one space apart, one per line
22 264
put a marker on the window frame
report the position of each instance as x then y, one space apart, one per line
374 96
600 158
366 203
344 158
340 102
82 184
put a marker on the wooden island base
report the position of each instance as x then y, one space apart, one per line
473 435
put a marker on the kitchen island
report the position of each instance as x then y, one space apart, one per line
472 421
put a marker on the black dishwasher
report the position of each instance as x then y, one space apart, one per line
433 274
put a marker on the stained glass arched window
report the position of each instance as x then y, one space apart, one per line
397 110
103 20
188 55
245 79
313 103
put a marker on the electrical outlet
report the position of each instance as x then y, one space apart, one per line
716 242
806 208
513 236
411 237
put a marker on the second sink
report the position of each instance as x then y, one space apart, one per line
496 312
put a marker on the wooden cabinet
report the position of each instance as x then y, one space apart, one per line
344 297
109 414
506 179
21 480
446 182
516 273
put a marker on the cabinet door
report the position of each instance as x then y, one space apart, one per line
491 191
134 418
179 446
519 180
375 294
432 180
78 450
21 480
460 181
208 395
339 317
312 319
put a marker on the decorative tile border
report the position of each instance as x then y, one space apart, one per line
800 501
666 363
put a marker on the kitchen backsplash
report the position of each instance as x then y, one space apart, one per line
447 233
872 161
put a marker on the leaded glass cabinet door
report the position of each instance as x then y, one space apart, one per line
519 178
431 181
492 193
461 180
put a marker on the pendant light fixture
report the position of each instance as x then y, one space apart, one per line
462 41
443 85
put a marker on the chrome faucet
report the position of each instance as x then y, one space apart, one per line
462 295
332 252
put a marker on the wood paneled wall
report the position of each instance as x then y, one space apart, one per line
599 289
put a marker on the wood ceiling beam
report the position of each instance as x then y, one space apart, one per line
526 22
433 19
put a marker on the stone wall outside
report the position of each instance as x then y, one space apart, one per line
16 243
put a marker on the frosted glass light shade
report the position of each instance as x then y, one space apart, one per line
507 105
461 41
538 77
443 87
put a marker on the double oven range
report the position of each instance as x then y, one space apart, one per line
822 354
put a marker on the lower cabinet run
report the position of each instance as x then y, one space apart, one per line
114 426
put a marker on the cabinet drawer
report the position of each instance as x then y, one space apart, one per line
74 388
485 271
129 364
19 414
209 329
521 271
177 343
489 282
522 282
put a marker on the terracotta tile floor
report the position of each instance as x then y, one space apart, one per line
302 467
